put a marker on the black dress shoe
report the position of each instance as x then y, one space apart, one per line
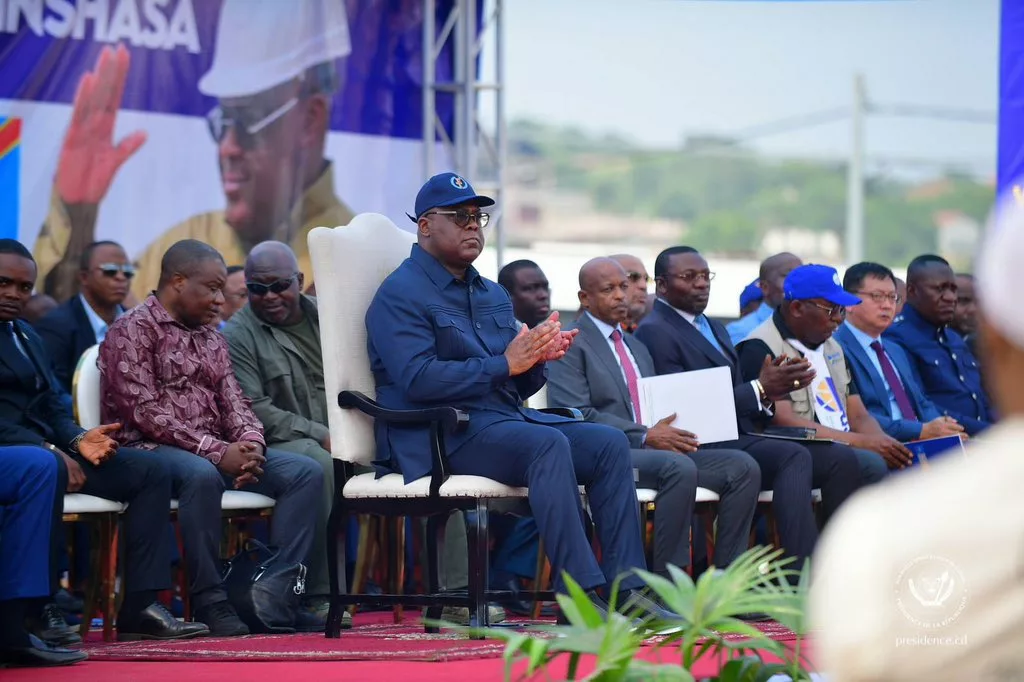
69 603
156 622
637 604
39 654
222 619
51 627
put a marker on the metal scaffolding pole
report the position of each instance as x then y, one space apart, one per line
476 147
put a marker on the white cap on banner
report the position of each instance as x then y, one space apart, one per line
998 269
263 43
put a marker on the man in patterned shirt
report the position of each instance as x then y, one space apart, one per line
167 378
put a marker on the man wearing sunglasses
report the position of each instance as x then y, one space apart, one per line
274 343
639 299
438 334
104 278
275 70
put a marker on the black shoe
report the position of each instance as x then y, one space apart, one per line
51 627
637 604
312 615
156 622
222 620
39 654
69 603
754 617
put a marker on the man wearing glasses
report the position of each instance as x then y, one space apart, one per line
881 370
681 338
945 366
814 305
440 334
104 278
639 300
274 73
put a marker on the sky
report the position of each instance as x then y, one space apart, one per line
659 70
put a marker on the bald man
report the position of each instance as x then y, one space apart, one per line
770 279
915 580
599 375
274 342
638 282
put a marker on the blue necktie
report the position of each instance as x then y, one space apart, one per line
704 327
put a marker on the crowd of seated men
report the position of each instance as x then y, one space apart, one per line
216 382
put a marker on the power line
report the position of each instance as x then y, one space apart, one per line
933 113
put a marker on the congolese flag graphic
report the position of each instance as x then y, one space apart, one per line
10 161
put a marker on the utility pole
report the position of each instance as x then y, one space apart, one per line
854 249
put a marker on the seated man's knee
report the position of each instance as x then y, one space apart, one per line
679 468
748 469
845 461
305 471
795 456
201 474
873 467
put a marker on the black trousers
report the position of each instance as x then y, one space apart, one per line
138 479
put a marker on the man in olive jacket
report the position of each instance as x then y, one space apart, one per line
274 342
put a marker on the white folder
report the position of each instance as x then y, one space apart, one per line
702 401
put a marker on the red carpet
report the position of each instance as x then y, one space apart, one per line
482 670
374 638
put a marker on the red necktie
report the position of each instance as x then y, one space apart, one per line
628 372
893 379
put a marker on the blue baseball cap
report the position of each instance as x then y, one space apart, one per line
817 281
752 292
447 189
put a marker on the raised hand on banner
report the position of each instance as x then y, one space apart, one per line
89 159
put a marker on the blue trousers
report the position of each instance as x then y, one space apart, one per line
294 481
28 487
552 460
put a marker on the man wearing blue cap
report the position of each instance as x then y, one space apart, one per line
440 334
814 306
750 298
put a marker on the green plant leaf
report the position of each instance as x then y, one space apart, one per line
577 606
644 671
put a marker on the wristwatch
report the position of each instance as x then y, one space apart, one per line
73 445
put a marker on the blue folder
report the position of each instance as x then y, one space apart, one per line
932 448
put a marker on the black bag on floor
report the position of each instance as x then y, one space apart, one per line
264 590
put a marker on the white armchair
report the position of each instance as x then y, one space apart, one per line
349 264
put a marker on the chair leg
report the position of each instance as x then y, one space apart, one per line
436 526
183 586
336 538
109 540
709 517
397 568
478 569
92 590
541 577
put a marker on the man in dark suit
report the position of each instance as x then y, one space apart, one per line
682 339
456 342
33 412
68 331
946 368
882 372
598 376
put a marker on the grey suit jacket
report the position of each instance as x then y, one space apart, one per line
589 379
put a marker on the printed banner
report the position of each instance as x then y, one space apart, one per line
229 121
1011 100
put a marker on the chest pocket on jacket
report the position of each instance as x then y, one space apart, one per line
504 330
938 371
451 333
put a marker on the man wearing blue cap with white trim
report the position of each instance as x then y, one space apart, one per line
814 306
440 334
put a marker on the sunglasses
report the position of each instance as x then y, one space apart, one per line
278 287
635 277
112 269
462 217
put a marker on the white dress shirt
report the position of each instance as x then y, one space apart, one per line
99 326
606 331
